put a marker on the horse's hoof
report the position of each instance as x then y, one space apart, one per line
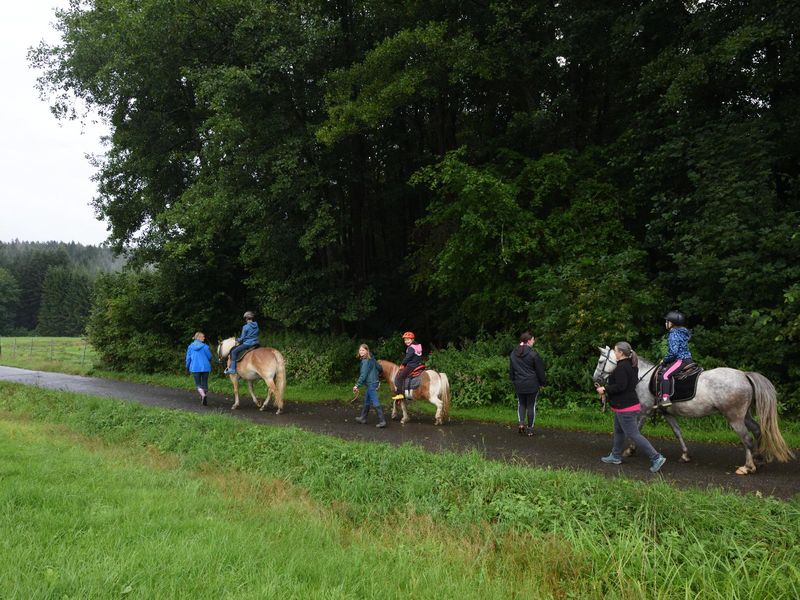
685 458
234 407
404 421
261 409
279 411
743 470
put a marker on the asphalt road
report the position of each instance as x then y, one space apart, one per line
712 466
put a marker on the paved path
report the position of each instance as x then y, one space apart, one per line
712 466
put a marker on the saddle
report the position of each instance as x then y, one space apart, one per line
247 351
683 383
414 380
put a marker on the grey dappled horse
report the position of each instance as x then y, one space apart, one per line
729 392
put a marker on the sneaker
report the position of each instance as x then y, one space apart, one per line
229 372
529 432
664 402
611 460
397 397
658 463
521 429
381 425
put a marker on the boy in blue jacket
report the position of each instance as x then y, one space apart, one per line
248 339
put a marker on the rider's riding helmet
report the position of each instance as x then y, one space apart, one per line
249 315
676 318
409 335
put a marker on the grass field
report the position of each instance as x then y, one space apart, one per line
73 355
105 498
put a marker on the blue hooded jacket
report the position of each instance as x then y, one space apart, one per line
198 357
678 345
249 335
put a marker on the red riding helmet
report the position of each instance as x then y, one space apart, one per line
409 334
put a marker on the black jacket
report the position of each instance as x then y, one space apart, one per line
621 386
526 371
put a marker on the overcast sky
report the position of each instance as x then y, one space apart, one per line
45 178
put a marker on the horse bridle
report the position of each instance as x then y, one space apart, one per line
604 376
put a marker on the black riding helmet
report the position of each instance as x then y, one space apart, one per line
676 318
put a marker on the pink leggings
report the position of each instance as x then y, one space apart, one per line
672 368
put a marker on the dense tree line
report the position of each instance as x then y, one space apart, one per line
459 168
46 287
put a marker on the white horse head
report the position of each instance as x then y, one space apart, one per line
225 346
605 365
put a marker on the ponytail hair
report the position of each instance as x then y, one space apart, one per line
524 338
628 352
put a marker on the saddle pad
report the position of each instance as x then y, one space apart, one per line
684 382
247 351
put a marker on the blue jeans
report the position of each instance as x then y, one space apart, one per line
235 354
627 424
201 380
371 396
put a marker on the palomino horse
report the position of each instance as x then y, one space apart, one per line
261 363
434 386
729 392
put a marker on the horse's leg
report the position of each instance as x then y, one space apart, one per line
739 427
252 393
394 410
673 423
433 398
271 391
755 429
235 382
406 418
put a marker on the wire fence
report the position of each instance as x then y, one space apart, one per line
18 350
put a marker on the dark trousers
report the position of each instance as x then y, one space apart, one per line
236 352
201 380
526 403
400 379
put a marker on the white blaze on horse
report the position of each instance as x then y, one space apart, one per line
434 387
259 363
729 392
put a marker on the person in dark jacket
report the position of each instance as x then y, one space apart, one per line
678 353
368 376
621 392
411 361
526 370
198 363
248 339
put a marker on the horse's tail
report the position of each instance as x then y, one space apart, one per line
280 378
773 446
444 382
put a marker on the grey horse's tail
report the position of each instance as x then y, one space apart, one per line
773 446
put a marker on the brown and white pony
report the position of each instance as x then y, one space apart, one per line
261 363
434 387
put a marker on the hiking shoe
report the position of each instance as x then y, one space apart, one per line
611 460
658 463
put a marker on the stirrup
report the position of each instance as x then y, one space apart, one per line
664 403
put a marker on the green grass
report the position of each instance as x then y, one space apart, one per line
69 356
359 519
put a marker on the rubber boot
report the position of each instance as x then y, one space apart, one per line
381 419
362 418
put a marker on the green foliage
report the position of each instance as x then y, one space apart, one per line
9 301
66 301
452 168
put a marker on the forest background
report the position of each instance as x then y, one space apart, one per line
468 170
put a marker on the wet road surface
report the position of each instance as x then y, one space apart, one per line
712 465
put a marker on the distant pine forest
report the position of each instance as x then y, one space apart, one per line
46 288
